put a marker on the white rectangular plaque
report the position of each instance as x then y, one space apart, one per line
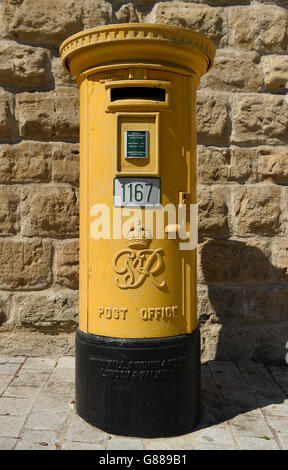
136 192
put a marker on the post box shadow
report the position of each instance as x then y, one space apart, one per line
245 303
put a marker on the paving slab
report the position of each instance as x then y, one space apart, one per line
5 380
168 444
68 362
42 363
22 390
64 374
8 443
214 447
252 443
13 359
219 434
46 421
80 431
7 367
280 375
10 426
250 427
37 440
122 443
71 445
32 377
52 403
15 406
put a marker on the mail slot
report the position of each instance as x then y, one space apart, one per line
144 93
138 344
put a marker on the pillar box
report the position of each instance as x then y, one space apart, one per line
138 345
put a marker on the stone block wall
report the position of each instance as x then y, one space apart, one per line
242 169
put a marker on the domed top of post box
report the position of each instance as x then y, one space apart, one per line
146 43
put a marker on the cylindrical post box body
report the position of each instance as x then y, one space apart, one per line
137 346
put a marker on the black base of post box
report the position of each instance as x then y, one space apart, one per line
139 387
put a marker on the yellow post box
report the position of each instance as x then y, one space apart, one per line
137 345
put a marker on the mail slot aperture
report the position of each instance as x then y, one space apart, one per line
145 94
138 93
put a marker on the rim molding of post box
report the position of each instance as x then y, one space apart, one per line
174 46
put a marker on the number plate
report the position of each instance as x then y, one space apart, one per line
136 192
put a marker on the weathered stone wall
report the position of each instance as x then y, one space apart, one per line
243 172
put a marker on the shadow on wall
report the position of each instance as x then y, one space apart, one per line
245 314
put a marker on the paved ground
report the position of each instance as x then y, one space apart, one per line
245 406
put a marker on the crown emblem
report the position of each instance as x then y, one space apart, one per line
139 262
136 236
